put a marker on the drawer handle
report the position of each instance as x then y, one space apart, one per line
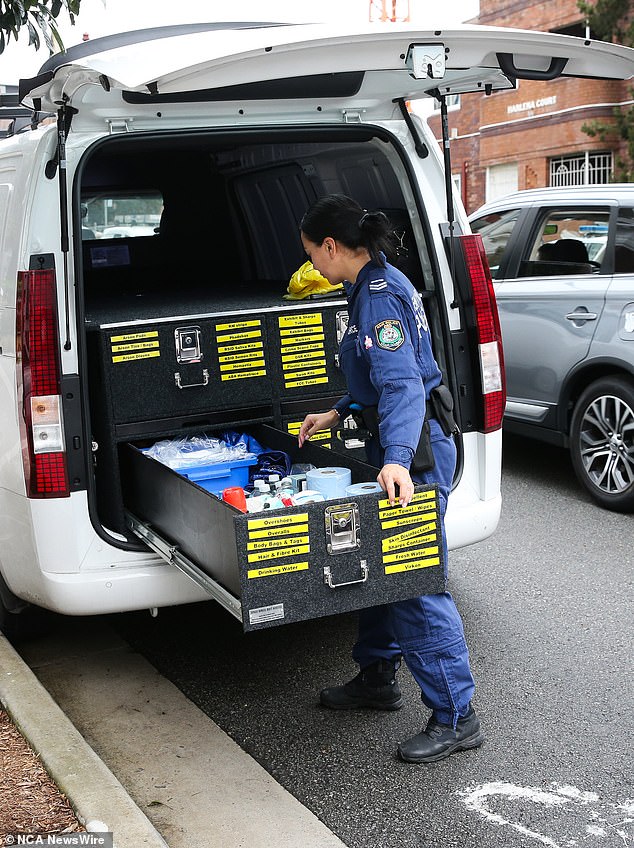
330 582
177 380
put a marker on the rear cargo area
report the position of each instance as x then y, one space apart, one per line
187 329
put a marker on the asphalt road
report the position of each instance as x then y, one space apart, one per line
547 606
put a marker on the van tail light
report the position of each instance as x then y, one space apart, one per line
37 347
489 333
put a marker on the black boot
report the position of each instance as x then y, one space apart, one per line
438 741
374 686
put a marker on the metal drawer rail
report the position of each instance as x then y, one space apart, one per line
172 555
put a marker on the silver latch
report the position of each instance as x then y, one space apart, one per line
188 347
119 125
426 61
342 528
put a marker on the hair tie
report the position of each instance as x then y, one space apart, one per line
375 217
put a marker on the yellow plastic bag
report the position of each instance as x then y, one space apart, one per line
306 281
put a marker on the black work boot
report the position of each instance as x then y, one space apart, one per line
374 687
438 741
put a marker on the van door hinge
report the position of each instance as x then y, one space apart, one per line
119 125
352 117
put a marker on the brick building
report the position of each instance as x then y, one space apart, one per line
532 136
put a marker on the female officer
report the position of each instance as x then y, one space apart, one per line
388 363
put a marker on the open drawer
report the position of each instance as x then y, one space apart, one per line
291 564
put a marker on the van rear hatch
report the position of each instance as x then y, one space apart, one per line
122 77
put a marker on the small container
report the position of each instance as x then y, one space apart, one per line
236 497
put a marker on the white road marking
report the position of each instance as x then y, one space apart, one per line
482 799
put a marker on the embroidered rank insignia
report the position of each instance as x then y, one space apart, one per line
389 334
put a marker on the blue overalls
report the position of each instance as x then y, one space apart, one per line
387 359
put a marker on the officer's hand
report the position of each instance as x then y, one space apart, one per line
314 422
392 475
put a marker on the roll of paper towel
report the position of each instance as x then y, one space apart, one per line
363 489
332 482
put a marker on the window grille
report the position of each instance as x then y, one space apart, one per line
584 169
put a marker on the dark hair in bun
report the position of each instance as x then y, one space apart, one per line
341 218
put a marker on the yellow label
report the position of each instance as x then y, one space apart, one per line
240 366
241 375
411 509
238 337
278 554
301 348
412 518
321 436
300 320
427 495
396 544
413 533
244 346
277 521
312 382
238 325
308 354
277 544
411 566
421 552
301 331
277 569
288 366
309 372
133 337
119 348
240 357
128 357
278 531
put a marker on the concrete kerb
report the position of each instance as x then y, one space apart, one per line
95 794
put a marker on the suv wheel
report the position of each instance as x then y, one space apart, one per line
602 442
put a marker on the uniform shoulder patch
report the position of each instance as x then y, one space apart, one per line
389 334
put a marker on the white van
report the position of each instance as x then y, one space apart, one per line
228 132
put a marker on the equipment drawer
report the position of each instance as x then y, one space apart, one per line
292 564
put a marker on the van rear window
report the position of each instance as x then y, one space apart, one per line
128 213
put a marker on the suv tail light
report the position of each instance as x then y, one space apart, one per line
489 332
37 347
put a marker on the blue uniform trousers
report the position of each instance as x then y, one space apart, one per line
426 632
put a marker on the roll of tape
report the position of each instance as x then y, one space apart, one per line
332 482
363 489
307 496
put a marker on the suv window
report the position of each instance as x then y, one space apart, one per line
120 214
624 245
496 229
566 242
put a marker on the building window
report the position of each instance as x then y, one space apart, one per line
584 169
453 102
501 180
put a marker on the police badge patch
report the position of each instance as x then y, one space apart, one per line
389 334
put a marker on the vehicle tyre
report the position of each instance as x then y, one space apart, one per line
602 442
19 620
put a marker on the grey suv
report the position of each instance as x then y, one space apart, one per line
562 262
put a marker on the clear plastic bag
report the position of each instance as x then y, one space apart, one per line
197 450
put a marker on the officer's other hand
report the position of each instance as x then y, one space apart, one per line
392 476
316 421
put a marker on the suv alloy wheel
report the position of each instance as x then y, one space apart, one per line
602 442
